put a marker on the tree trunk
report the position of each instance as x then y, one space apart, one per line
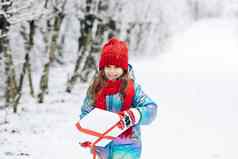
44 83
85 41
26 65
11 84
88 29
54 38
52 56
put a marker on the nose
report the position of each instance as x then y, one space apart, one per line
111 69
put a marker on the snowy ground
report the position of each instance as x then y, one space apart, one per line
195 83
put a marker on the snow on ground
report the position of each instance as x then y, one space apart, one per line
44 131
194 82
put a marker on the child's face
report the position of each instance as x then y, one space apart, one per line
113 72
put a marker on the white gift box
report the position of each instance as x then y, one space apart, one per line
99 127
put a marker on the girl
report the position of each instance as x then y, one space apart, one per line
113 89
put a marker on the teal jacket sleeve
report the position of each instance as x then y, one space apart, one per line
86 107
145 105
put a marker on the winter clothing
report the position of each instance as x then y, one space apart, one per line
134 106
129 117
126 147
113 87
114 52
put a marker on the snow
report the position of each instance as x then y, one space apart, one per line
207 49
194 82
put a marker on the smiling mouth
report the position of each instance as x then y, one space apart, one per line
112 75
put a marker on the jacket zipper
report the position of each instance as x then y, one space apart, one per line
109 103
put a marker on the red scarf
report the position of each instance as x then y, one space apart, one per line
113 87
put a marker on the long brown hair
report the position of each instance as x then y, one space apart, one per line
100 82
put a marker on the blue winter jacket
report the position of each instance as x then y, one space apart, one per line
129 148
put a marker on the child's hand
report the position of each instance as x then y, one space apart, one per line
129 118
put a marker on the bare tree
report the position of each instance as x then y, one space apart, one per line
11 84
194 9
52 49
29 38
95 28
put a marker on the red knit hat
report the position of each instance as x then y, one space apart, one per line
114 52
